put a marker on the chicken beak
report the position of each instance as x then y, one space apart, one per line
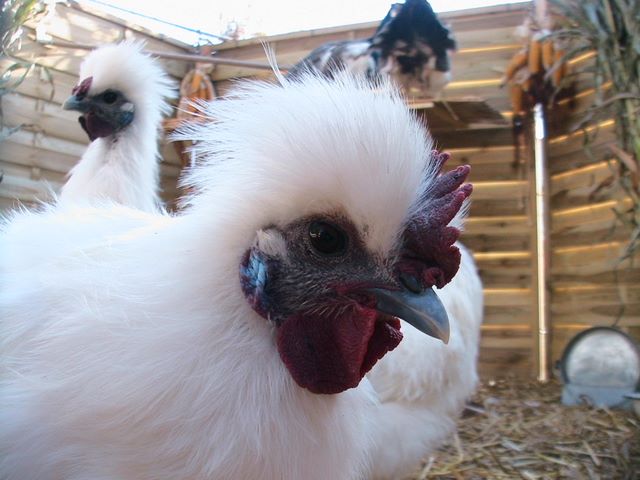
77 104
423 310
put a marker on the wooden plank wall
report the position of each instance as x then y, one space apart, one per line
590 285
500 225
36 159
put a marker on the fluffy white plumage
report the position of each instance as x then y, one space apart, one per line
128 349
423 384
123 167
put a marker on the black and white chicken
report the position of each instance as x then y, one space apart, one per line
121 97
411 46
232 341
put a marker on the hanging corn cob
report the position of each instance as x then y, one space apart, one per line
516 95
533 68
535 56
560 68
547 54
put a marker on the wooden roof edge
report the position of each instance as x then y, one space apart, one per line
102 14
517 6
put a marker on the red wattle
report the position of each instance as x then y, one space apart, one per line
330 354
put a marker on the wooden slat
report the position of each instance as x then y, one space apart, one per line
497 225
522 342
587 218
609 231
505 207
36 150
491 243
567 299
630 275
501 278
25 189
623 316
583 179
504 269
507 315
498 362
42 116
575 142
475 138
506 189
32 173
507 296
588 260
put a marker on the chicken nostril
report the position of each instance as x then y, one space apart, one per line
411 283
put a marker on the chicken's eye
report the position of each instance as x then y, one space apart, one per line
109 97
327 239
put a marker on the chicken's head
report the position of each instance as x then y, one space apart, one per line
102 114
348 214
117 84
336 304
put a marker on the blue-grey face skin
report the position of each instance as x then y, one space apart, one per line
103 114
325 256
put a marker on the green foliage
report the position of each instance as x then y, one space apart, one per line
13 15
611 29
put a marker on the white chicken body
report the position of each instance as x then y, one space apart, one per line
128 349
423 384
122 166
101 379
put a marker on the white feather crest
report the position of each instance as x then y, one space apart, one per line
309 145
124 66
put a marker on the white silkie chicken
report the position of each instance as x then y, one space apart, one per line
232 341
121 96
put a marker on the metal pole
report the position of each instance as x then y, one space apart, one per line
186 57
542 241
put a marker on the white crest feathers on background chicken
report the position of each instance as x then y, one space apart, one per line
121 95
132 348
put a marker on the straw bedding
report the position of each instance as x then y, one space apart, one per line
520 430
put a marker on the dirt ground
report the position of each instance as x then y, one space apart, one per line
516 430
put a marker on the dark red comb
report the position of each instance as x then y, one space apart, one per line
429 251
81 90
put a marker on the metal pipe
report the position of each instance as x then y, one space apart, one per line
542 241
187 57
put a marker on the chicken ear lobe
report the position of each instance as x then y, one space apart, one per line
254 278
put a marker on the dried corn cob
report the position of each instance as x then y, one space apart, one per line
535 56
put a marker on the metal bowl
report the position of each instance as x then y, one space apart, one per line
600 367
602 357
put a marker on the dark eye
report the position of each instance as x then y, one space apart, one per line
109 96
327 239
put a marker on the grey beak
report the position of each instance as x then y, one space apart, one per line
423 310
77 104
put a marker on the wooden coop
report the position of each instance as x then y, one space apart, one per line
586 284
